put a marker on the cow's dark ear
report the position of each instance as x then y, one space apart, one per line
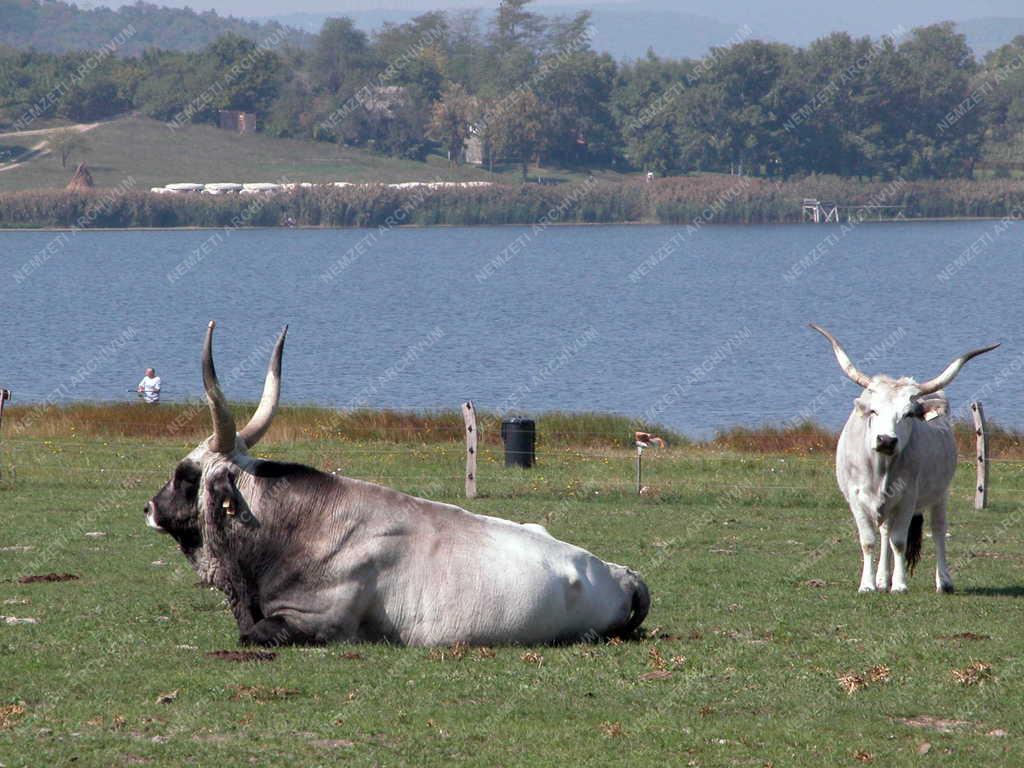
224 498
932 408
186 478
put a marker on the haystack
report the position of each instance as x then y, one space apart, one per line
82 178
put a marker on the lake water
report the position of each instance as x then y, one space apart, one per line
699 330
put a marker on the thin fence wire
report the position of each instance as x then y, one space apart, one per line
27 457
691 453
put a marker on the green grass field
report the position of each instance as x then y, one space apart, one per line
153 155
751 560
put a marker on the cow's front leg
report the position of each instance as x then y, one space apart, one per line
943 581
866 531
242 600
275 631
900 528
884 566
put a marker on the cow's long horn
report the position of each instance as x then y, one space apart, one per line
223 421
944 378
260 421
844 359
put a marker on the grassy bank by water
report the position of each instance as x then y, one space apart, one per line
190 422
698 200
758 650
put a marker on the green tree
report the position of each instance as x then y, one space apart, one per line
578 126
341 56
248 76
941 65
645 106
451 119
513 133
67 142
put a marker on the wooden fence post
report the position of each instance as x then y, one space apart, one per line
469 417
639 468
981 485
5 394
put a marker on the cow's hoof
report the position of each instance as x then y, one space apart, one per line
881 587
945 588
865 588
901 590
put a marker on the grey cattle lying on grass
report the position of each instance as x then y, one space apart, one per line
895 459
307 557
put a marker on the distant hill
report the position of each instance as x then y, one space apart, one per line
57 27
624 29
150 155
628 30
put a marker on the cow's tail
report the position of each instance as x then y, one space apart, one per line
914 542
640 604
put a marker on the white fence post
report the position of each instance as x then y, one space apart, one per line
981 484
469 417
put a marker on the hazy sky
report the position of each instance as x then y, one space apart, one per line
865 13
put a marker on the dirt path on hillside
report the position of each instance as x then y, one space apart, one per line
39 149
80 127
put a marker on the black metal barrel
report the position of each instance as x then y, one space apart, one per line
520 438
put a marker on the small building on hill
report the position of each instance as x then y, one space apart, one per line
237 121
473 151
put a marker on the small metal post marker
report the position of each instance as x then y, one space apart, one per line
644 440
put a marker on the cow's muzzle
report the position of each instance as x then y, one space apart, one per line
886 444
150 512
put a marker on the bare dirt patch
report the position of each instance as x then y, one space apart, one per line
46 577
333 743
261 693
966 636
933 723
241 655
657 674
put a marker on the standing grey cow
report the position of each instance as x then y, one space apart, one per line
308 557
895 459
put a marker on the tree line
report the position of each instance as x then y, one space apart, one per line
524 88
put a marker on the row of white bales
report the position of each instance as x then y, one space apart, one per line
264 187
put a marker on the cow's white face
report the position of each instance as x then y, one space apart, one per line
888 406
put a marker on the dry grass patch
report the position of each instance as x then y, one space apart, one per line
973 674
612 730
9 714
851 682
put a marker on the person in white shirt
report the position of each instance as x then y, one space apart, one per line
149 387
